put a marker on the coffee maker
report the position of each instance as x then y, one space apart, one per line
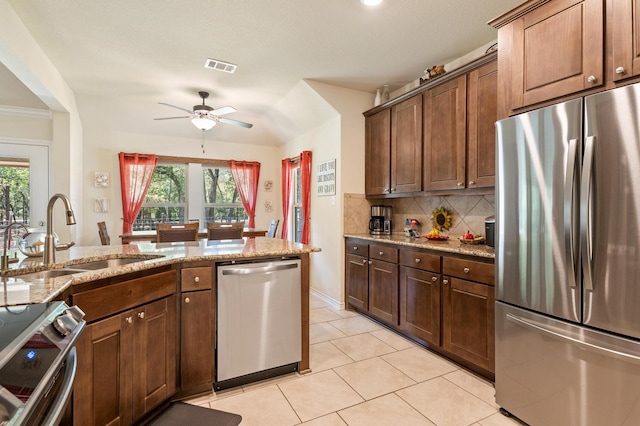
380 222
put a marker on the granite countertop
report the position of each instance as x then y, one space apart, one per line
16 291
452 245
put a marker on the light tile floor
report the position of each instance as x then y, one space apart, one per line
363 374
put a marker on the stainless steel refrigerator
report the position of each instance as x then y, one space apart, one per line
568 262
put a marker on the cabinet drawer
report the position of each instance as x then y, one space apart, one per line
357 247
196 279
420 260
104 301
469 270
386 253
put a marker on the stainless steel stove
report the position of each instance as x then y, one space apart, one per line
37 361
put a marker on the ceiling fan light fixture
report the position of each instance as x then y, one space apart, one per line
203 123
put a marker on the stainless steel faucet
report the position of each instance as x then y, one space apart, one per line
49 241
4 260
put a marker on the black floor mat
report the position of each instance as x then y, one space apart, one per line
181 414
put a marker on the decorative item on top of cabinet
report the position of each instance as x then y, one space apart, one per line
549 49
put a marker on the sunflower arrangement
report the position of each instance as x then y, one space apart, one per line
441 219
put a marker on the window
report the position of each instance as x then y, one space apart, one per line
166 200
14 190
297 205
183 192
221 200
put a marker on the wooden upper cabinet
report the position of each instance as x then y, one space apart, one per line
377 179
444 124
549 49
406 146
624 33
482 104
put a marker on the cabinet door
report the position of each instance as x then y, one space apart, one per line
357 281
196 338
468 321
625 35
445 135
154 354
383 291
377 163
406 145
558 49
102 387
420 304
482 114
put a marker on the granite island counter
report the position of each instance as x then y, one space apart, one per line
150 336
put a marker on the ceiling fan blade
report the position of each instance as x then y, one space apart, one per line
177 107
223 110
235 122
171 118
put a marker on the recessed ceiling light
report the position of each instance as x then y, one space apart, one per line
371 2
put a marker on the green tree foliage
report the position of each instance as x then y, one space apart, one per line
14 181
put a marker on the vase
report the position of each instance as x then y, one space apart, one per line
378 98
385 93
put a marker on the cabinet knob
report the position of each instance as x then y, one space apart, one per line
445 282
620 70
355 247
129 320
472 182
364 261
196 279
187 300
460 184
592 79
141 315
393 189
370 262
417 260
381 253
466 270
434 279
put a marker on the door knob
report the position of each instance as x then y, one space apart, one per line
187 300
129 320
417 260
466 270
592 79
196 279
445 282
141 315
620 70
434 279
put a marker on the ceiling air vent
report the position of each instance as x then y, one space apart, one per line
217 65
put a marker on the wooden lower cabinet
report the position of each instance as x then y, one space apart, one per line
420 304
468 321
383 291
357 281
126 365
196 339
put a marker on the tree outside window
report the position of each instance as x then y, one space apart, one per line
14 190
166 200
221 199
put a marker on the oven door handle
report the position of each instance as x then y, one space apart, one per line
57 409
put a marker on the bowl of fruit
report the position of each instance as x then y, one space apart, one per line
469 238
435 235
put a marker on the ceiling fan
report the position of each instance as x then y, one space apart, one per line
205 117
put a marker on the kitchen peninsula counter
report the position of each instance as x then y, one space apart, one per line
15 291
452 245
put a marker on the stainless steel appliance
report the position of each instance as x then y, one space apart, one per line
258 326
490 230
567 262
37 362
380 222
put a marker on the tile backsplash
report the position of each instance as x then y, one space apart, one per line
467 211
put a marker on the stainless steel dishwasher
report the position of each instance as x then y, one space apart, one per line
258 320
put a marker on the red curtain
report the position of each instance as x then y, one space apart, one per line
246 175
305 183
287 168
136 171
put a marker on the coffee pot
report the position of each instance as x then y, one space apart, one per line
380 222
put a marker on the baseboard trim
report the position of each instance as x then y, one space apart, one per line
328 299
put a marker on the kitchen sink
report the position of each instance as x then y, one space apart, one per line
106 263
45 275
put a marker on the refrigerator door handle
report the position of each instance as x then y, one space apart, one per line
586 211
569 193
592 347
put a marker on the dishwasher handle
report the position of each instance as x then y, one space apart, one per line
260 270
